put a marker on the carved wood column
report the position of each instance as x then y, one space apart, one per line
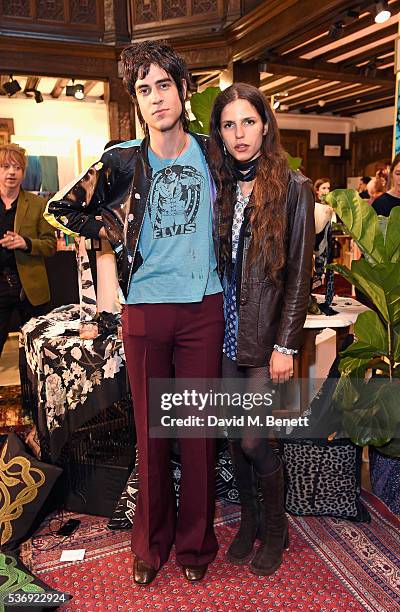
121 114
246 72
116 22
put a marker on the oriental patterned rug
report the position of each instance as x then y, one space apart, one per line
332 564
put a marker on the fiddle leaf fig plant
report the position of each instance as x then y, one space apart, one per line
201 105
371 408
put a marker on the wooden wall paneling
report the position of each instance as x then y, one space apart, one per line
368 146
120 110
334 168
65 18
246 72
297 144
6 130
116 22
172 19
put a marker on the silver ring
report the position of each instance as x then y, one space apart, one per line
12 237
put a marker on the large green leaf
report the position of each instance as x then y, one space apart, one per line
364 277
201 105
374 418
370 331
392 449
346 394
361 222
294 162
392 237
396 343
354 366
195 126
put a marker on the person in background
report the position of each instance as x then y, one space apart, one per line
25 240
363 187
324 216
322 187
384 203
266 231
376 188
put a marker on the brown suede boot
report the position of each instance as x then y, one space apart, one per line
241 549
269 555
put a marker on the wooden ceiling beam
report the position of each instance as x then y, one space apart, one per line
3 79
350 102
360 42
276 20
351 97
89 86
327 71
32 82
308 86
307 34
58 87
325 94
369 107
271 79
288 86
369 55
320 26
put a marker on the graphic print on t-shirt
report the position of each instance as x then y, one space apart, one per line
175 201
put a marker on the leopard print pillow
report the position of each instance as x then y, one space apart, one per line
323 479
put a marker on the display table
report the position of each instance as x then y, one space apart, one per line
348 310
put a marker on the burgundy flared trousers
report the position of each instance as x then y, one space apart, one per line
156 336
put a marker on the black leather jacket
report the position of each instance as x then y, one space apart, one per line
270 314
114 193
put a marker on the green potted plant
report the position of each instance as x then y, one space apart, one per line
371 408
371 412
201 105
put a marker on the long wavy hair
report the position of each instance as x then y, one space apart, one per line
268 224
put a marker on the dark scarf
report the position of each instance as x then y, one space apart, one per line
245 171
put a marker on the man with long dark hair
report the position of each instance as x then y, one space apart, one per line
154 198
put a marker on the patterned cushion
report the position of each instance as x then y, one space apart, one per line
25 484
16 578
226 488
323 479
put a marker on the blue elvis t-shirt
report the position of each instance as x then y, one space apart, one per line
176 242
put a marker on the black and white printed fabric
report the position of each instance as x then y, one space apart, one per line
87 293
73 379
226 488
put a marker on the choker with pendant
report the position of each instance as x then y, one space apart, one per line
245 171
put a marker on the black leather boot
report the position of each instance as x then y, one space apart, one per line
241 549
269 555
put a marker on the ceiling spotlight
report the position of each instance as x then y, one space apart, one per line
321 103
284 107
336 30
370 69
276 104
11 87
382 11
77 91
37 94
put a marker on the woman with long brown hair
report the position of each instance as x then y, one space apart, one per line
266 237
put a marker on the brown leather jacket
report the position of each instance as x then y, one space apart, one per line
269 314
